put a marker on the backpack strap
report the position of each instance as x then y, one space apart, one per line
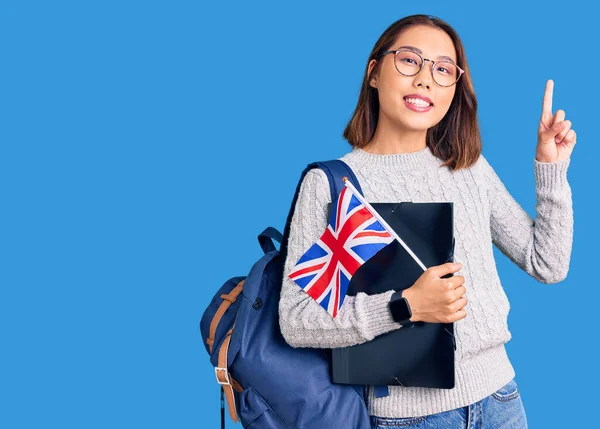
224 378
265 239
335 170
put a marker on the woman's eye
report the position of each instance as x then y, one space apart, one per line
442 68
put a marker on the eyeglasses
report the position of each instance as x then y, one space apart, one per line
409 63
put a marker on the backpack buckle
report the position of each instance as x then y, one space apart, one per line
223 372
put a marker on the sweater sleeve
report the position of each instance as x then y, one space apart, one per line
303 322
541 247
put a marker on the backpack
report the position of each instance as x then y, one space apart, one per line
268 383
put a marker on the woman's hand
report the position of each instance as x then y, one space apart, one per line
556 139
437 299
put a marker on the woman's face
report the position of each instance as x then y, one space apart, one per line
393 87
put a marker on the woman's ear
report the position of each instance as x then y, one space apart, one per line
372 78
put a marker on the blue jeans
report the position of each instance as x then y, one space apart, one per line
502 409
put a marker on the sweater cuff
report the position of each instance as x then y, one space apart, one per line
550 175
376 314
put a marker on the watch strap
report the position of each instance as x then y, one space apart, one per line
397 296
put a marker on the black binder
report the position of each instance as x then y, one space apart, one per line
420 354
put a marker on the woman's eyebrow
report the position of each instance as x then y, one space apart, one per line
418 51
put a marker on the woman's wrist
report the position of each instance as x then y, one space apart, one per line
412 302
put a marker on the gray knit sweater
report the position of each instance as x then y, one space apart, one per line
484 213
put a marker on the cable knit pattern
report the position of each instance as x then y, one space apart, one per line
484 213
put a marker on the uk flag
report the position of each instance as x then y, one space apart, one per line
353 236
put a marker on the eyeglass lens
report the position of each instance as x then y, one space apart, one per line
408 63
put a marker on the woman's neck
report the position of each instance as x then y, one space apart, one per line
391 141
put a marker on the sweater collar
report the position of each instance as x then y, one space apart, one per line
420 159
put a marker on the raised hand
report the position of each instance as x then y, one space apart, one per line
556 138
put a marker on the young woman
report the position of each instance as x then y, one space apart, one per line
415 137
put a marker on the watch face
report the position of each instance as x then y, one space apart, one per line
400 310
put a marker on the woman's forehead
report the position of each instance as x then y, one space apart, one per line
430 42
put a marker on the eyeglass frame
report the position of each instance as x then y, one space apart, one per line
395 52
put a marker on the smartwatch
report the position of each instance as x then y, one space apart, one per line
400 308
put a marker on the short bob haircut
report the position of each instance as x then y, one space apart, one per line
456 139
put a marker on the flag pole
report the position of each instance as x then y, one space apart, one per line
383 222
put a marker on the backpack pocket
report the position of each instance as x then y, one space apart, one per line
255 413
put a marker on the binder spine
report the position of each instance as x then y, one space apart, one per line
341 365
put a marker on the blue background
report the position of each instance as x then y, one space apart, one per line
145 145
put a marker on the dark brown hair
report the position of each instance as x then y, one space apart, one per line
455 139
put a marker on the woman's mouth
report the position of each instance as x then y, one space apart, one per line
417 105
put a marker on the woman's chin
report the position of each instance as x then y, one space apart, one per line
413 125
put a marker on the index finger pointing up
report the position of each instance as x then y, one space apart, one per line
547 103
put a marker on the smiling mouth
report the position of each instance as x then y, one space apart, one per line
417 102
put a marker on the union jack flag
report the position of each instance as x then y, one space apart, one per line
353 236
